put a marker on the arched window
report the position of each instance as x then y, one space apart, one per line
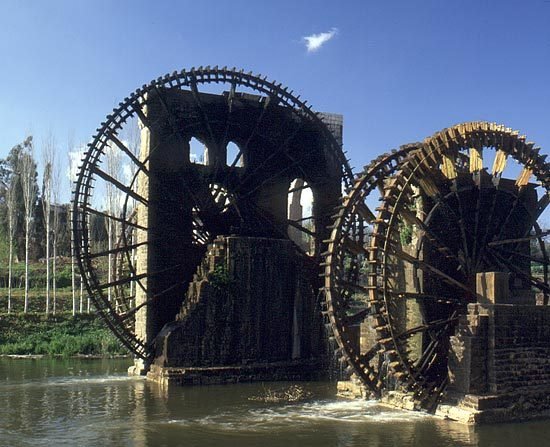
234 156
198 152
301 225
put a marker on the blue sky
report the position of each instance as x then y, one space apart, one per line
397 70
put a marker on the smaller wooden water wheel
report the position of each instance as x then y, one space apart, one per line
403 274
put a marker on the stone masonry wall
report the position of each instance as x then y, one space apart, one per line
247 304
501 348
519 338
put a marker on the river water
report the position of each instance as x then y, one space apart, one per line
79 402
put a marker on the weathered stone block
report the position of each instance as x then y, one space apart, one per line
467 364
493 287
251 306
499 364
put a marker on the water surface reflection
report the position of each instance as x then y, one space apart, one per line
93 403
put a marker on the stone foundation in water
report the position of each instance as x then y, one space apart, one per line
512 406
250 314
499 364
352 389
298 370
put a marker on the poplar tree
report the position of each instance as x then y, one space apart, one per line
55 228
114 167
11 204
73 158
47 158
28 186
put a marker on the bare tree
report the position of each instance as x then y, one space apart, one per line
81 296
74 160
48 149
11 202
114 168
82 293
28 186
55 226
132 137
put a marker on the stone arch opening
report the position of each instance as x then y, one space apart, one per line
234 156
301 222
198 152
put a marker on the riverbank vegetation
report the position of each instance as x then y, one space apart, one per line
44 309
62 335
36 251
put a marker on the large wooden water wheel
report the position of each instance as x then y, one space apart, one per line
256 137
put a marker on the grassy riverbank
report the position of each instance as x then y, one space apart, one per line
60 334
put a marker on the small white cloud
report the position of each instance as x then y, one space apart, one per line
316 41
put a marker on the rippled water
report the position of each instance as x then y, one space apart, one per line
93 403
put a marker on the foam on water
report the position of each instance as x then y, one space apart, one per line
69 381
89 380
299 415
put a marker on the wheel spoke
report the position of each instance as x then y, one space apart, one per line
231 95
521 239
131 312
424 296
513 268
89 209
116 250
283 150
432 325
129 153
203 114
460 220
430 269
301 228
118 185
433 238
535 259
489 225
356 318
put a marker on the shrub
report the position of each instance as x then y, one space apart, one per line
60 334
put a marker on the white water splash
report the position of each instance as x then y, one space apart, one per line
74 381
299 415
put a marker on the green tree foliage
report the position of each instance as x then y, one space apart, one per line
10 170
10 167
61 334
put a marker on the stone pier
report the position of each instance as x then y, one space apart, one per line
499 362
247 316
